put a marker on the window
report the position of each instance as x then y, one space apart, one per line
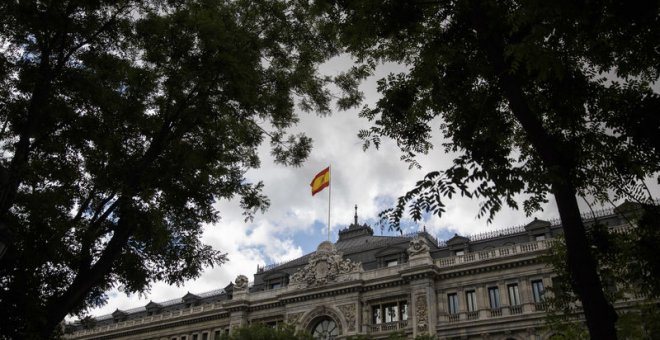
459 252
194 337
183 337
275 285
376 317
389 312
403 310
494 297
514 295
391 263
205 336
537 290
325 329
539 237
216 335
471 298
452 303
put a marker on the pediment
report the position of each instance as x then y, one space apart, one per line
627 207
190 297
153 306
118 313
537 224
457 239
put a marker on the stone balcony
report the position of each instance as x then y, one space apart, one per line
488 313
502 252
388 327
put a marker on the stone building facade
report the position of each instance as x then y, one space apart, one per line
488 286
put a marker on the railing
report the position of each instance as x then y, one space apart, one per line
540 306
149 319
473 315
511 250
388 326
513 310
453 317
495 312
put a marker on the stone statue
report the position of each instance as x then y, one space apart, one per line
241 282
418 246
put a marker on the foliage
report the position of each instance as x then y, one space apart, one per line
122 123
534 97
263 332
627 267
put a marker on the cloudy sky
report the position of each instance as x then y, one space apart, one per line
296 222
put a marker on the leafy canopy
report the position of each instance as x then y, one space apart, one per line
122 123
581 75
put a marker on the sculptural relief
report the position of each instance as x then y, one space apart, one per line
349 314
421 313
324 266
293 318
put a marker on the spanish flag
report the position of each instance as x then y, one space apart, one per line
321 181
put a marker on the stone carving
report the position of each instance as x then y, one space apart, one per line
294 317
324 266
309 320
418 246
241 282
349 314
421 313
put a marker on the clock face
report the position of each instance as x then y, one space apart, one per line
326 329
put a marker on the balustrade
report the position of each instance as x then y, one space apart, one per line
388 326
493 253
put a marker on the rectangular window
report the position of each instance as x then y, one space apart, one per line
376 315
275 285
514 295
494 297
459 252
391 312
391 263
403 310
216 335
452 303
539 237
194 337
537 290
471 299
184 337
205 336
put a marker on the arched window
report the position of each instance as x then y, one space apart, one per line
325 329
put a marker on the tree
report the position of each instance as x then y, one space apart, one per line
263 332
627 265
538 97
122 122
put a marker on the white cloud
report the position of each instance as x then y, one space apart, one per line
291 226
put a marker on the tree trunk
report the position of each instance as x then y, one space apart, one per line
599 313
560 165
57 309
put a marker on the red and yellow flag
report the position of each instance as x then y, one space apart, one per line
321 181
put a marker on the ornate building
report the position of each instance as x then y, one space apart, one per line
488 286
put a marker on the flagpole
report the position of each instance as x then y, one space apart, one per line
329 200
